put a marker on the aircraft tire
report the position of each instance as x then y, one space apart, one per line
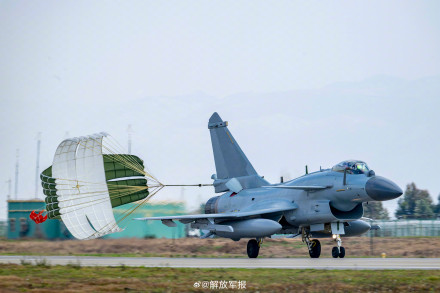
335 252
315 252
253 248
342 252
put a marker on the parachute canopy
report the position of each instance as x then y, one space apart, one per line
87 179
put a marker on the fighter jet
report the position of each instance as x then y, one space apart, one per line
326 203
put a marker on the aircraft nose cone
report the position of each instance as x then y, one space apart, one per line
380 188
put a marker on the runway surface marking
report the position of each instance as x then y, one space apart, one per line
281 263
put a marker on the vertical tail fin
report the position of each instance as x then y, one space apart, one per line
230 161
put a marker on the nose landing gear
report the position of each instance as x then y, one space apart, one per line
338 251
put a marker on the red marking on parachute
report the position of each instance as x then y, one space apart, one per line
38 218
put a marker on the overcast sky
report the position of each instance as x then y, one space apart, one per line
301 82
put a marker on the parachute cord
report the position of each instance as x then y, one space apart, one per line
114 141
127 213
154 193
112 191
100 200
199 185
115 193
99 142
124 161
118 221
42 207
143 202
128 162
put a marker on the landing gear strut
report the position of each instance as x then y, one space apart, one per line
314 245
253 247
338 251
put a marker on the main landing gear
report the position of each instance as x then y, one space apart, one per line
338 251
253 247
314 245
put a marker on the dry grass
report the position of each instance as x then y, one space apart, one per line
17 278
193 247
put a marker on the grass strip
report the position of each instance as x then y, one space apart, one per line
73 278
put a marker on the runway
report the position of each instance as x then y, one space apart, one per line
276 263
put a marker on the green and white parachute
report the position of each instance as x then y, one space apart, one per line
89 177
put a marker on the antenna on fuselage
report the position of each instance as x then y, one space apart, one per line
307 170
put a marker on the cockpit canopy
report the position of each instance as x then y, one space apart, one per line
352 167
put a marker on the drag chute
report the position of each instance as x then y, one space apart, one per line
38 218
89 176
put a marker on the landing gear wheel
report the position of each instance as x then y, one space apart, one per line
253 248
315 248
335 252
342 252
338 251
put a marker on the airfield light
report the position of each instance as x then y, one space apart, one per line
334 236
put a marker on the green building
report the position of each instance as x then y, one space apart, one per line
147 229
21 226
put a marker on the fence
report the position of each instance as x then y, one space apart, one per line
402 228
3 228
397 228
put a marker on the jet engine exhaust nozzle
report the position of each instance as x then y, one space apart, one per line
380 188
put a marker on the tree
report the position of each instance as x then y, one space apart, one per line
423 209
437 207
375 211
415 204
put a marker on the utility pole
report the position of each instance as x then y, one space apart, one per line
371 239
9 188
16 174
37 168
129 131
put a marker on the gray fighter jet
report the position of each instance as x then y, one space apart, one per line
326 203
